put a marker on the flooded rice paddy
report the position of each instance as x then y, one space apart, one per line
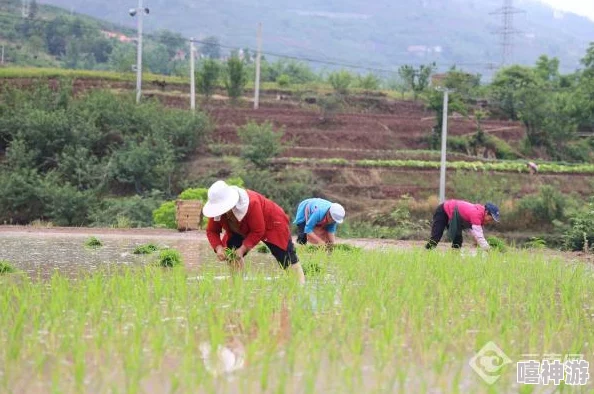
378 320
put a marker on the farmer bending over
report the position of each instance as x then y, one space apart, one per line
317 220
248 218
458 215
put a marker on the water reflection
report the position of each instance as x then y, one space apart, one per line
40 256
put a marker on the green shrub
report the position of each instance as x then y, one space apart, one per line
164 216
458 144
170 258
194 194
235 77
65 153
126 212
547 206
283 80
260 143
19 196
340 81
580 235
368 82
65 205
536 243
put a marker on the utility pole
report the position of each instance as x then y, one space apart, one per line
258 57
139 13
3 54
192 76
444 136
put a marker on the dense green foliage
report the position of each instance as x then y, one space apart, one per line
51 37
260 143
67 158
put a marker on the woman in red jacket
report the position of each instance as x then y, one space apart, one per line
248 218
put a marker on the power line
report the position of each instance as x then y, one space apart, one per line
291 57
156 37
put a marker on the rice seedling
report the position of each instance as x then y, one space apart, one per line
231 255
379 321
170 258
497 243
93 243
262 249
146 249
345 247
6 267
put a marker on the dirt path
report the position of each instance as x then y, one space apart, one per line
153 233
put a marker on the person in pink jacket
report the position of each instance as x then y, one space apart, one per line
458 215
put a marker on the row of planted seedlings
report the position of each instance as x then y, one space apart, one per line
378 320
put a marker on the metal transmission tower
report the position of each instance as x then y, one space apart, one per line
507 31
25 8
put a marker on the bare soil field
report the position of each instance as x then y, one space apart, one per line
406 129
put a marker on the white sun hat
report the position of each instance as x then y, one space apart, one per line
337 212
221 199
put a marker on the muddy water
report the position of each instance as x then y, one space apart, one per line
40 254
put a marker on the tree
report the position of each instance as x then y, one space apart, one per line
434 100
235 77
207 77
368 82
171 41
509 85
260 143
417 80
340 81
122 58
547 69
55 36
211 47
588 59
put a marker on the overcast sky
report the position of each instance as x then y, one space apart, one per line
580 7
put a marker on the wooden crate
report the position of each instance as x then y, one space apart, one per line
188 215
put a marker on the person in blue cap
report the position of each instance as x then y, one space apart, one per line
458 215
317 220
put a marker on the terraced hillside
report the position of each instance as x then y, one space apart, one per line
375 127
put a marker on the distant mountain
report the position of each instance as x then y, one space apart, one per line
374 33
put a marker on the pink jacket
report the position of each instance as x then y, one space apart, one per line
472 214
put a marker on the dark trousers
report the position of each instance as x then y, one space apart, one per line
440 223
284 257
301 236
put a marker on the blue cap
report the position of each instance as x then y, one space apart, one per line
493 210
